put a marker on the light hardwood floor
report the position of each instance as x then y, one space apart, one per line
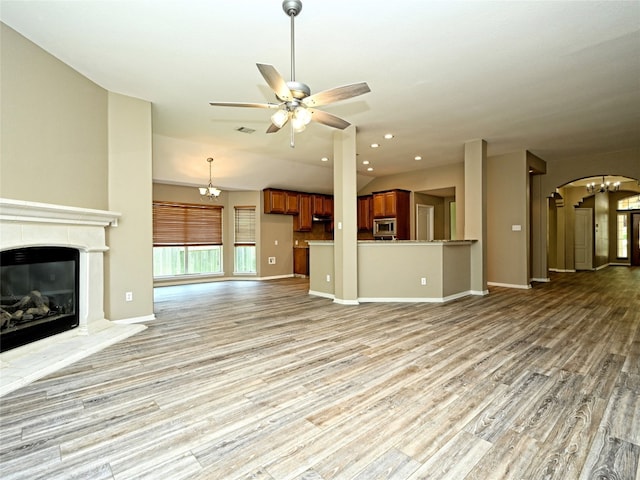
250 380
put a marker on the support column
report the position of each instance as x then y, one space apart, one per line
345 217
475 211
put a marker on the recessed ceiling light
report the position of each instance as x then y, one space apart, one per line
365 162
370 169
324 159
388 136
375 145
417 157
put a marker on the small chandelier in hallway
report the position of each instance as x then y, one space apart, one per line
209 192
605 186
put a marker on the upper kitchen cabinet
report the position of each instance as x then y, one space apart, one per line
275 201
280 201
365 213
303 222
291 203
391 204
322 205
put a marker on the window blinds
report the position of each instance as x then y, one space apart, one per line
179 224
245 226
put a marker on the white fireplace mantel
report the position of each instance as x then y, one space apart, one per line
25 224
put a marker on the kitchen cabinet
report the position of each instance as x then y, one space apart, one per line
365 213
303 222
391 204
291 203
301 261
322 205
394 204
275 201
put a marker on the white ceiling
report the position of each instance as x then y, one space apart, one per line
558 78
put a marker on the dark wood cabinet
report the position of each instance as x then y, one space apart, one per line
365 213
275 201
322 205
301 261
394 204
303 222
291 203
391 204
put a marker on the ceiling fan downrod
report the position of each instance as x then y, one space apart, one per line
292 8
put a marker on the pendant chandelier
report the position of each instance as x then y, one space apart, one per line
605 186
209 192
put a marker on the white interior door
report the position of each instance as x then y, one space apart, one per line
583 239
424 222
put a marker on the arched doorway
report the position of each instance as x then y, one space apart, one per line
574 242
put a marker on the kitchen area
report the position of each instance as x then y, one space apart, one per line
392 266
381 216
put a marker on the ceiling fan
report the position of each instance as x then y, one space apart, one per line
295 102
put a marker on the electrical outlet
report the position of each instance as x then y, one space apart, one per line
128 297
272 260
423 281
328 278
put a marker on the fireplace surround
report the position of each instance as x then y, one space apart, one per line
26 224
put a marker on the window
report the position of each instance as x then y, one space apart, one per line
629 203
623 239
187 239
245 240
622 226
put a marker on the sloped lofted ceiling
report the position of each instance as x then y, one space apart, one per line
560 79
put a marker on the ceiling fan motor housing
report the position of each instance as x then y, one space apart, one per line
299 90
292 7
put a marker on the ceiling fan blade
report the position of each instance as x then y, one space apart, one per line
242 104
328 119
336 94
275 81
273 128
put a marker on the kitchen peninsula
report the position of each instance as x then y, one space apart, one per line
398 271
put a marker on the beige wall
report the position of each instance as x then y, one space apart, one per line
269 229
440 216
53 129
422 181
507 208
130 193
82 147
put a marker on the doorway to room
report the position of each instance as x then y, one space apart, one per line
635 239
424 222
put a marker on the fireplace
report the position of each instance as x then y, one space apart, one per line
52 259
38 294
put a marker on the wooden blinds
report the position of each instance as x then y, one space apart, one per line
178 224
245 226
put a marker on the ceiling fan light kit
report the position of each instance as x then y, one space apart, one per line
295 99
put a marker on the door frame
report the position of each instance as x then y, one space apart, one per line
429 210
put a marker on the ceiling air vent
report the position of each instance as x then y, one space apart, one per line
245 130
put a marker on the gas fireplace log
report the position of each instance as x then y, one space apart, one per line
34 299
5 318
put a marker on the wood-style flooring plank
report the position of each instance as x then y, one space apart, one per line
259 380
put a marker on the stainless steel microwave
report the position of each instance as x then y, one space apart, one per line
384 227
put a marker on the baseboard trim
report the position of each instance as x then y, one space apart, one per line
316 293
341 301
509 285
559 270
129 321
543 280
